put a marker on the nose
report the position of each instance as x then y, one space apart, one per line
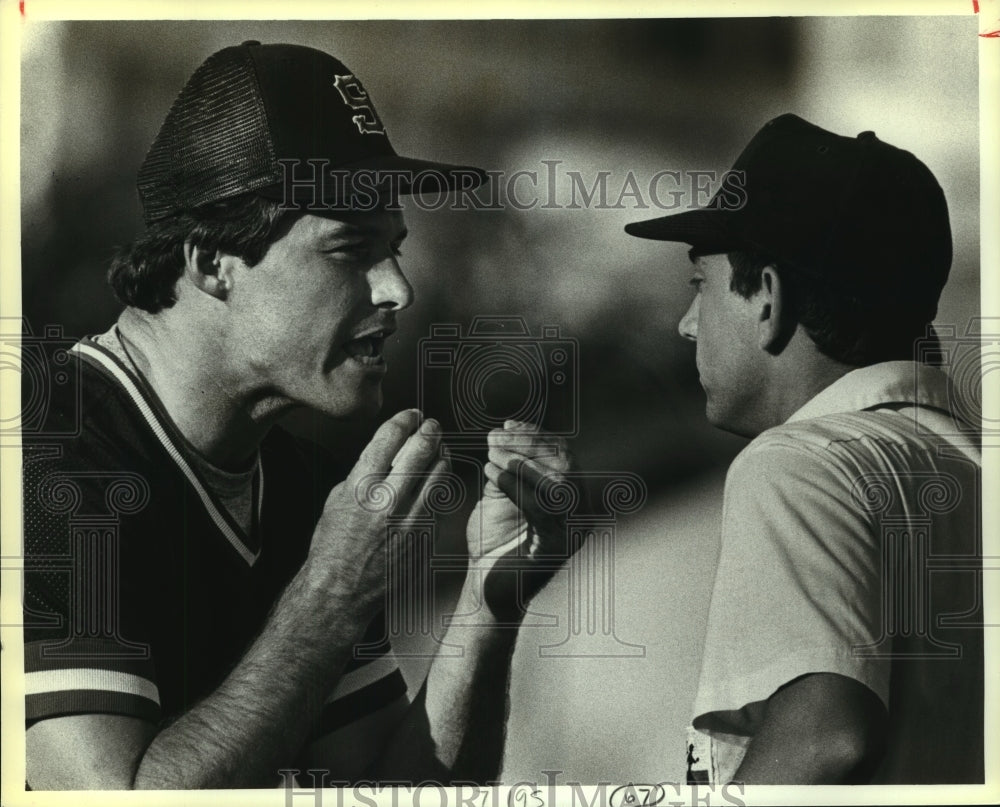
688 326
390 288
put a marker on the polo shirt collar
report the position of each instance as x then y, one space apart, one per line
887 383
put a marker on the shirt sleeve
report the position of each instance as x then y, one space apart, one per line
797 589
364 710
85 648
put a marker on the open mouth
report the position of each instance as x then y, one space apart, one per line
367 349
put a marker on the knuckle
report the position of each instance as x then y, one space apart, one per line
497 456
407 418
394 430
428 441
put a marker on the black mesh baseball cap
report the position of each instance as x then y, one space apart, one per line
856 212
287 122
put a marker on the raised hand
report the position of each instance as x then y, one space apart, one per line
390 479
517 533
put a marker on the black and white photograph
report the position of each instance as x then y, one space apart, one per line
511 411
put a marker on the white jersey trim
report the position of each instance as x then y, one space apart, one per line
45 681
175 454
376 670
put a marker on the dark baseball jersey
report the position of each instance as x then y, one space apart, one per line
141 591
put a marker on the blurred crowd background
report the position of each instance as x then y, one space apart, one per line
618 96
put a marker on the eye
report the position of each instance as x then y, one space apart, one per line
696 282
396 248
349 252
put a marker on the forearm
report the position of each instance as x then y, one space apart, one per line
822 728
455 729
259 717
824 759
799 760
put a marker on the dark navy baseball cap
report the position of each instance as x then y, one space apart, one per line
252 113
855 212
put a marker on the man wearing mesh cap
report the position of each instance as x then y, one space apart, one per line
832 654
227 626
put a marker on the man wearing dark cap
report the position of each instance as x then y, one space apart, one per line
204 600
832 653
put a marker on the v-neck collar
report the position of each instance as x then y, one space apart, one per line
169 436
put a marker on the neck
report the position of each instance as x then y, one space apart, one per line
189 368
798 374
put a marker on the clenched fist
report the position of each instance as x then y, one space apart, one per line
517 533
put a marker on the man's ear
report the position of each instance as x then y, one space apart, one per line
208 270
772 328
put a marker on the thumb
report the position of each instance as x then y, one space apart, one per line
491 490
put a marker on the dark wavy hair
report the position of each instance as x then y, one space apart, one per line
847 328
144 274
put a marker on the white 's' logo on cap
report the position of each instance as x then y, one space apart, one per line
356 98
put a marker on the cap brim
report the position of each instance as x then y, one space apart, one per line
709 230
422 176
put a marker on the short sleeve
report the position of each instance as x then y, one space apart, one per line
85 647
364 710
797 589
370 681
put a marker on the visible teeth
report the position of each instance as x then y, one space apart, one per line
365 347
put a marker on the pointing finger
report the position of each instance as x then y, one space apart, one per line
391 436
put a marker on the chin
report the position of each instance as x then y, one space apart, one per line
362 402
357 410
714 419
731 425
721 419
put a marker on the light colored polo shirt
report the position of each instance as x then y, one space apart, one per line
851 544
